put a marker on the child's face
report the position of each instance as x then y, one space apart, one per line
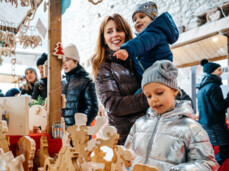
69 64
41 69
161 98
114 37
141 21
218 71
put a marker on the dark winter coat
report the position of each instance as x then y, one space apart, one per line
80 94
40 89
212 108
116 84
25 89
152 43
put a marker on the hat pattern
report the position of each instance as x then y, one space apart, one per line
148 8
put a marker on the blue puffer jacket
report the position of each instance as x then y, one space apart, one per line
152 43
212 108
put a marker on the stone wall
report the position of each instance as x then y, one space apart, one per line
81 21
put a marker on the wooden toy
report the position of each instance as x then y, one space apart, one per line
42 153
9 163
67 160
143 167
18 109
79 134
37 117
59 51
26 146
121 157
4 144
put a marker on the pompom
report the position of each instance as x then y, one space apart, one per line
203 62
168 70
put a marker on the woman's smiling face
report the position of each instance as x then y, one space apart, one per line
113 37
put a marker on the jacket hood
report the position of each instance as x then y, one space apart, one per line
209 78
182 109
166 24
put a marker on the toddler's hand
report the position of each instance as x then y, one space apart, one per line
121 54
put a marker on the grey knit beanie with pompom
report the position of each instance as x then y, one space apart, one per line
164 72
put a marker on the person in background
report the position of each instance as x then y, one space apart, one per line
212 108
1 93
40 87
116 81
169 137
78 87
154 34
13 92
31 79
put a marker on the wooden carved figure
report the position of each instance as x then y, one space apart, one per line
59 51
27 146
110 140
79 134
67 160
143 167
122 158
3 141
42 153
9 163
37 117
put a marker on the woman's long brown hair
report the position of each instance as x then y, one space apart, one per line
99 55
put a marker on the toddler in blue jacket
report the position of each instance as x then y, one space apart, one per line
154 34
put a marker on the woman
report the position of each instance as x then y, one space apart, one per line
40 88
116 82
212 108
31 79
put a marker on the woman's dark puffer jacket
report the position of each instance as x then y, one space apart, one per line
116 85
81 97
25 89
40 89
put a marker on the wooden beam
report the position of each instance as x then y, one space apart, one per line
54 70
203 32
198 62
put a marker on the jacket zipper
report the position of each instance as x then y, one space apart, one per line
140 64
149 147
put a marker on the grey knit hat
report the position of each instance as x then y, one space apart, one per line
162 71
148 8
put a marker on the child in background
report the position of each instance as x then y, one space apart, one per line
78 88
173 140
155 33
